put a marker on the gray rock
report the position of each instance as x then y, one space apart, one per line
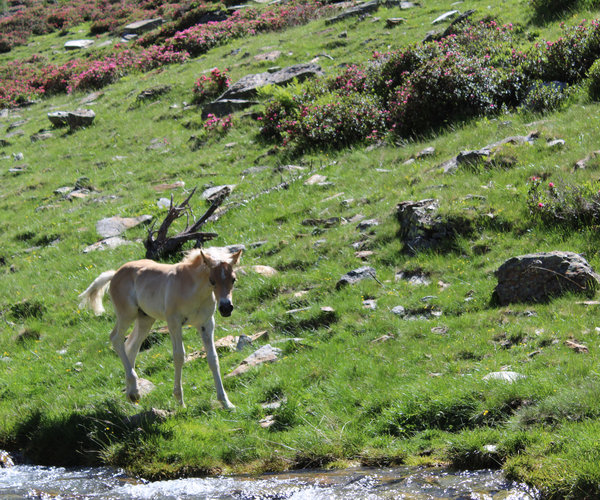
73 119
358 10
367 224
78 44
399 311
266 354
394 21
223 107
153 92
41 136
139 27
446 17
108 243
248 85
539 277
213 193
6 460
114 226
355 276
243 342
505 376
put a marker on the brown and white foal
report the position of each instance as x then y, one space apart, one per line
144 291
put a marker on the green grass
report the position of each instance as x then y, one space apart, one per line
417 398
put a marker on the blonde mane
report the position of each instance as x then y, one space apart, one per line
220 254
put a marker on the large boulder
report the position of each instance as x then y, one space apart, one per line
73 119
248 85
540 276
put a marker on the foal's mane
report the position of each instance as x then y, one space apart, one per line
219 254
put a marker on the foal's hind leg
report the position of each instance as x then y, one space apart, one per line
117 337
141 329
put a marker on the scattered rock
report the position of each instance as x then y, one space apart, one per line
367 224
78 44
223 107
266 271
212 193
417 277
248 85
274 405
421 228
392 22
316 179
147 417
505 376
358 10
470 157
267 422
446 17
72 119
399 311
383 338
370 304
114 226
41 136
364 254
355 276
430 151
153 92
266 354
588 160
168 187
268 56
158 144
577 347
541 276
556 143
440 330
139 27
6 460
108 243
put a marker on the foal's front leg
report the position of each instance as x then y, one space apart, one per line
174 324
207 332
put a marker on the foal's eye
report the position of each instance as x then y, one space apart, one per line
212 281
232 280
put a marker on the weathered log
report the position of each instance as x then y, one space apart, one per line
160 246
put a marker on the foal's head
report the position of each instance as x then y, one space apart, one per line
222 277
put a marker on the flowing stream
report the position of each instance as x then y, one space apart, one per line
360 483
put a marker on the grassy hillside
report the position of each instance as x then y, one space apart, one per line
358 385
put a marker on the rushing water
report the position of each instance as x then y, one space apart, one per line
403 482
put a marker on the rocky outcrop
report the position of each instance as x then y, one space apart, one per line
421 228
248 85
73 119
355 276
540 276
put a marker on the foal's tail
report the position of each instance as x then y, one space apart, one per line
92 297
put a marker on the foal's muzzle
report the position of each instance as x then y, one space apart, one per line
225 308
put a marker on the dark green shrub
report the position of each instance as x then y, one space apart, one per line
594 81
543 97
549 9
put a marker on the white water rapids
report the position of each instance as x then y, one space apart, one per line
364 483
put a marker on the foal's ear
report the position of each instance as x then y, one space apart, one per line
236 257
207 259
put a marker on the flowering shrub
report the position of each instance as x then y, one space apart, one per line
219 126
564 204
568 58
211 85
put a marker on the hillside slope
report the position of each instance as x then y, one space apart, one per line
387 370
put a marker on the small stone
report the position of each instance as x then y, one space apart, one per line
440 330
267 422
505 376
577 347
108 243
78 44
399 311
556 143
367 224
355 276
364 254
163 203
114 226
168 187
211 194
383 338
315 179
370 304
445 17
394 21
266 354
